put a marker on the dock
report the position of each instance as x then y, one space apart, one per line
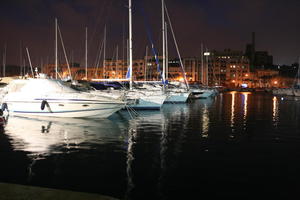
22 192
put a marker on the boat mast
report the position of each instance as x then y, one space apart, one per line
56 63
30 62
117 58
202 63
104 51
130 44
4 61
65 54
206 70
86 76
167 52
146 62
21 58
298 74
164 42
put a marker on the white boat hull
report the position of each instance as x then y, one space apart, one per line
200 93
51 98
146 100
177 97
64 108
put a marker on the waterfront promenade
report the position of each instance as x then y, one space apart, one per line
21 192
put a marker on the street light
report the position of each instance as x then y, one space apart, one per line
206 54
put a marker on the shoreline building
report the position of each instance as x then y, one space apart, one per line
227 68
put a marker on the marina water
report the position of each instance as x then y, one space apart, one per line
233 145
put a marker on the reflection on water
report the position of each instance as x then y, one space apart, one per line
275 111
205 121
43 135
245 108
245 102
232 108
160 154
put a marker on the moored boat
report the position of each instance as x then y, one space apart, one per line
49 97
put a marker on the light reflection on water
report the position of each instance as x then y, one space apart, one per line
43 135
205 121
245 103
275 110
232 108
208 146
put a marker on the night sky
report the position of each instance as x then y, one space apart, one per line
218 24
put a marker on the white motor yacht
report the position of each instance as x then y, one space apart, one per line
49 97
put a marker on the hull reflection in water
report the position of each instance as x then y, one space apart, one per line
56 135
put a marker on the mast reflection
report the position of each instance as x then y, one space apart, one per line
139 128
275 111
159 150
245 107
232 116
205 121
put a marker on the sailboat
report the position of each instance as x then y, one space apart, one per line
175 93
141 99
200 91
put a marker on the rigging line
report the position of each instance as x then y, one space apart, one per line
4 61
114 54
30 62
177 49
102 9
99 50
100 55
149 36
63 46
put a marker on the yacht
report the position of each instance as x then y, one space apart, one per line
176 93
51 97
145 99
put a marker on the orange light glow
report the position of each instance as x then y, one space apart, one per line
275 82
181 79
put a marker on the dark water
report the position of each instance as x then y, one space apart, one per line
234 145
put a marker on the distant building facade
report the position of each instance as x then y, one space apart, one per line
228 68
